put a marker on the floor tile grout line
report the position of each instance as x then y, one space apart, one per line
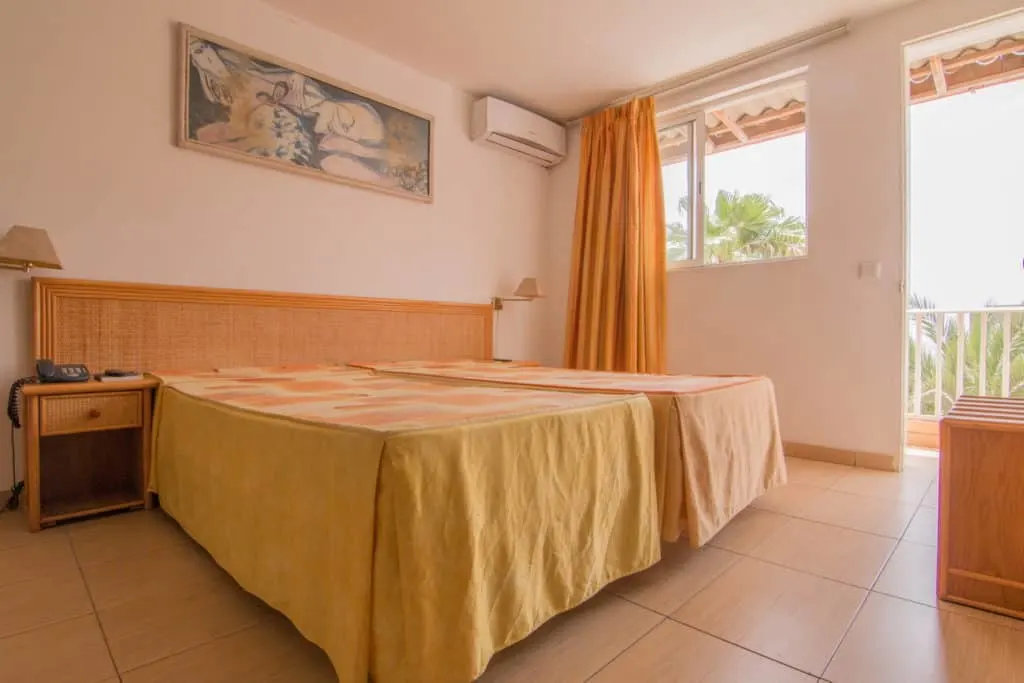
920 506
895 500
627 648
966 615
903 598
103 632
45 625
95 610
20 582
846 631
36 539
837 526
871 590
820 576
875 591
918 543
808 573
48 623
884 565
867 591
698 592
742 647
860 607
832 488
193 647
637 604
740 557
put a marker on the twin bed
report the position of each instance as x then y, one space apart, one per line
412 518
410 529
717 443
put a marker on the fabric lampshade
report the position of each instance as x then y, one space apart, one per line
24 247
529 289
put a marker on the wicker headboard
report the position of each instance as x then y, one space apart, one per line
161 327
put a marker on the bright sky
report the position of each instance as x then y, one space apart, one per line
966 191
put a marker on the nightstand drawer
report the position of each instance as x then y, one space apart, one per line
89 412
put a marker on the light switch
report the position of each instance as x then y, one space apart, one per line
870 270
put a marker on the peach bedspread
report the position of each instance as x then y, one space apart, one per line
411 529
717 440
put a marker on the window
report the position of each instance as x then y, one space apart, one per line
745 161
677 174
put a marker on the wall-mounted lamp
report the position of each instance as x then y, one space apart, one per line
528 290
26 248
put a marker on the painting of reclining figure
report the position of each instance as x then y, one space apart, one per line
243 104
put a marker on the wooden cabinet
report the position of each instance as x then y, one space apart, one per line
86 448
981 505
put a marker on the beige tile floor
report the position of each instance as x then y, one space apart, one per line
831 578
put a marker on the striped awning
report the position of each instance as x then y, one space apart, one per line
971 68
756 117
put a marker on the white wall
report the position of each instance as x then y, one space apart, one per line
831 342
88 120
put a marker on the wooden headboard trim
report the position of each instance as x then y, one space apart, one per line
48 291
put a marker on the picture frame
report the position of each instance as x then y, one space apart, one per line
243 104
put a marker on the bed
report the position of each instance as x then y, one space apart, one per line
409 528
293 517
717 440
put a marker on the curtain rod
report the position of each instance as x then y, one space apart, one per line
745 60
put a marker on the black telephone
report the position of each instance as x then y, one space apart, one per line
48 371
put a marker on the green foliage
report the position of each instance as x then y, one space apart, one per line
742 227
677 242
945 337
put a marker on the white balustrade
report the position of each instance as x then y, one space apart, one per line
941 342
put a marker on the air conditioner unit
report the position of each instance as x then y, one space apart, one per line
518 131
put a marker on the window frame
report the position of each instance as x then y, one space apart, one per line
695 181
696 113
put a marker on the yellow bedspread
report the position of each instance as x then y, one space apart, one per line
411 529
717 440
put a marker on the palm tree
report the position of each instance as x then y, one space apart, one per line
743 227
677 239
945 338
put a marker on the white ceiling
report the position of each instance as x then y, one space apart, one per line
564 57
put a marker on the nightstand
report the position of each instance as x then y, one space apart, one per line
86 448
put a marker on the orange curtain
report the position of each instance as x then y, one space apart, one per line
617 294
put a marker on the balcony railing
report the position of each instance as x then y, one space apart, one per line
977 352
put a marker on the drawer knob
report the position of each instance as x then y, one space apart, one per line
93 414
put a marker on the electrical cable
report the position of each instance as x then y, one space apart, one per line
14 499
13 404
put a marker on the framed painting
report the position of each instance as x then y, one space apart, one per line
240 103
